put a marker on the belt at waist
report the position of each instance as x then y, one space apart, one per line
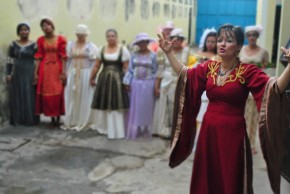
112 67
224 108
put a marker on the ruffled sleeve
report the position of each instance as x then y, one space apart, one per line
93 50
62 43
154 63
69 49
128 77
40 48
98 53
125 54
69 54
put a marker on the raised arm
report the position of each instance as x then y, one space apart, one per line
166 45
284 78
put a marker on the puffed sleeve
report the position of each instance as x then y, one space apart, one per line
127 79
154 63
256 80
10 60
40 48
93 51
125 54
98 53
69 53
62 47
69 49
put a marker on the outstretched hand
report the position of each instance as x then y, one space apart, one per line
286 53
165 43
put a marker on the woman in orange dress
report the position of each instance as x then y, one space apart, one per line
50 73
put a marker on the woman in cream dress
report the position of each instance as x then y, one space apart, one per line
78 94
252 53
163 111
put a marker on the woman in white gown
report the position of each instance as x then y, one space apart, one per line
78 93
163 112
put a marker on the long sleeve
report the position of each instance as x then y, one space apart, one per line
190 86
40 48
93 50
10 60
127 79
69 54
62 47
273 126
155 64
256 81
161 63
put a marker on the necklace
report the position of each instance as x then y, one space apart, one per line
220 73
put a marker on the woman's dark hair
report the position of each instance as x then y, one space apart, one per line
213 34
47 21
112 30
19 26
230 30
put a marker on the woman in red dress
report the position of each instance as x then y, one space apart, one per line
223 160
50 73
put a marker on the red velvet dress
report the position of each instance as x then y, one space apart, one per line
222 163
50 89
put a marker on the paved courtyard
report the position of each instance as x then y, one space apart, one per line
38 160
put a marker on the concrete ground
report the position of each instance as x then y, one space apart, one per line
39 160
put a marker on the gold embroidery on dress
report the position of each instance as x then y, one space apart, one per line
213 66
240 70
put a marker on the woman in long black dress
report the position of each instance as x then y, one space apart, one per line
20 76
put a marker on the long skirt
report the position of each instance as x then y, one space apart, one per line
141 109
111 123
78 99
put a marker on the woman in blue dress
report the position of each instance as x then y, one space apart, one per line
20 77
